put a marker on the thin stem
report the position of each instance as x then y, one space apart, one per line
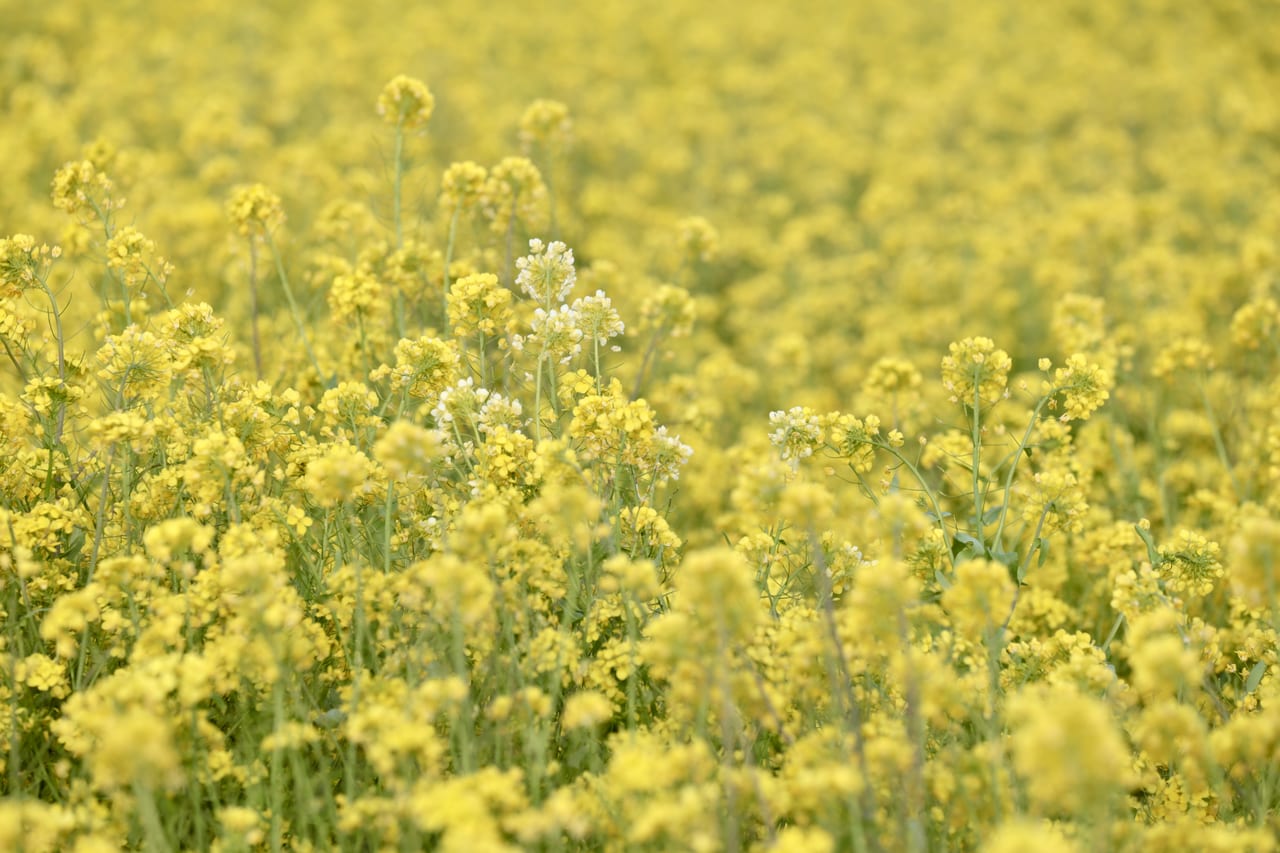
1218 443
509 267
448 262
977 459
928 492
1022 570
649 352
386 528
22 373
293 308
164 294
915 811
537 401
62 358
277 767
253 307
1013 466
867 799
399 177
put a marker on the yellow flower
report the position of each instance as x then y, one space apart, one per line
1084 387
1022 835
340 474
424 367
545 121
1182 354
1067 750
697 239
78 185
242 824
357 295
975 371
980 597
254 210
855 439
406 102
515 190
478 304
136 364
586 709
23 263
408 451
1191 564
44 674
132 256
463 186
1254 567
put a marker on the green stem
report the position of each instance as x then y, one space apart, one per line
153 829
537 401
164 294
399 177
1218 442
649 353
1022 570
386 528
928 492
1013 466
448 262
838 672
294 310
253 307
22 371
62 359
978 494
277 767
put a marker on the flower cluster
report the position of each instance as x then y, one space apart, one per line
375 529
406 102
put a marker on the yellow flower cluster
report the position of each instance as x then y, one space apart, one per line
406 102
254 209
975 372
629 463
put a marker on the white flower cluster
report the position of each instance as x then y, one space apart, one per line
670 455
797 432
554 332
547 274
598 319
557 330
500 411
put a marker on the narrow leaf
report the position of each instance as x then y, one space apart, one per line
1145 535
1255 677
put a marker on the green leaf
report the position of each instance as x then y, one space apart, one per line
1008 558
1255 677
991 515
1145 535
1043 545
942 579
966 546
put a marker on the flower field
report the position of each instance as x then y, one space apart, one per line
756 426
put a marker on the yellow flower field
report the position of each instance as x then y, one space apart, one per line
610 426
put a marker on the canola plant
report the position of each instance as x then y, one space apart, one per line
774 427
